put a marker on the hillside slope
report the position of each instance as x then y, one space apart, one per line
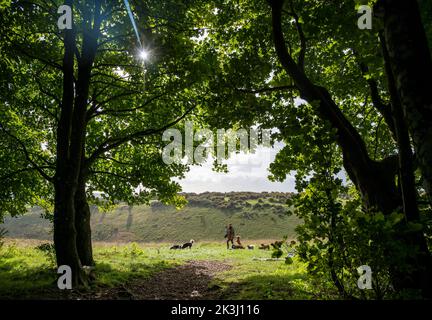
253 215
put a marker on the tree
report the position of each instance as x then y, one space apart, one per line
99 111
342 73
411 66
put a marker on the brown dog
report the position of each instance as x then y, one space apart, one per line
277 244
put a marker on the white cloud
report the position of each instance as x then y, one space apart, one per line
247 172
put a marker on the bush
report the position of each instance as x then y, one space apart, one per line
49 250
206 203
279 210
338 237
157 205
257 206
103 232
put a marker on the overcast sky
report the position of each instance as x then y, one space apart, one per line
247 172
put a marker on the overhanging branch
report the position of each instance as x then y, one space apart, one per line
27 155
14 173
264 90
303 47
113 143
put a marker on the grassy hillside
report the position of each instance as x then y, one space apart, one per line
253 215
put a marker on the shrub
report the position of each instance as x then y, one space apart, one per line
257 206
338 237
206 203
49 250
156 205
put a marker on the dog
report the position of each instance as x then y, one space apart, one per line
176 247
250 246
264 246
188 244
277 244
237 246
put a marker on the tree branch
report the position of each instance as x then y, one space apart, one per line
263 90
383 109
112 111
113 143
348 138
303 47
10 175
27 155
127 178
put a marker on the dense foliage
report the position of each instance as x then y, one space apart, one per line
80 113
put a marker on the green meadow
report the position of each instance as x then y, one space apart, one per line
251 274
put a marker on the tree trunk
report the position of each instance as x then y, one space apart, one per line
64 231
411 63
71 132
77 138
82 225
421 264
65 178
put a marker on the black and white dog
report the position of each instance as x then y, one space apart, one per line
188 244
176 247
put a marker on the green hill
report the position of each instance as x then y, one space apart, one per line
253 215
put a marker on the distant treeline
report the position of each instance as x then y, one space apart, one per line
235 201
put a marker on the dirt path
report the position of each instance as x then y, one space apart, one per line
189 281
186 282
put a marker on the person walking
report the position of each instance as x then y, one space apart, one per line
229 235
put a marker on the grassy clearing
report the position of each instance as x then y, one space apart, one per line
28 272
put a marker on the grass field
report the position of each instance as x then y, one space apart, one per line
26 272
